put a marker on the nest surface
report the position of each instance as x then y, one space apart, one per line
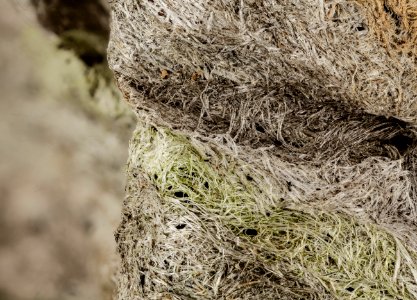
280 162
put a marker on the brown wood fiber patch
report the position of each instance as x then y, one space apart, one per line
394 22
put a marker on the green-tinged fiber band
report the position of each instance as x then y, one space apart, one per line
350 259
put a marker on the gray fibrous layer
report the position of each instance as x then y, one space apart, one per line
309 78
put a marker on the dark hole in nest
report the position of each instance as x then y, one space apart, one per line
237 9
169 188
206 185
328 238
350 289
249 178
268 214
226 271
242 265
142 280
331 261
402 142
360 28
138 87
259 128
250 232
155 176
202 41
289 185
180 226
135 175
277 143
297 144
180 194
270 256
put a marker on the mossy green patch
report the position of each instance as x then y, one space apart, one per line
350 259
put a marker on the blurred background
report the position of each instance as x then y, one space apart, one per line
64 135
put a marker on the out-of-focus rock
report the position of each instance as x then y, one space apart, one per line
62 154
